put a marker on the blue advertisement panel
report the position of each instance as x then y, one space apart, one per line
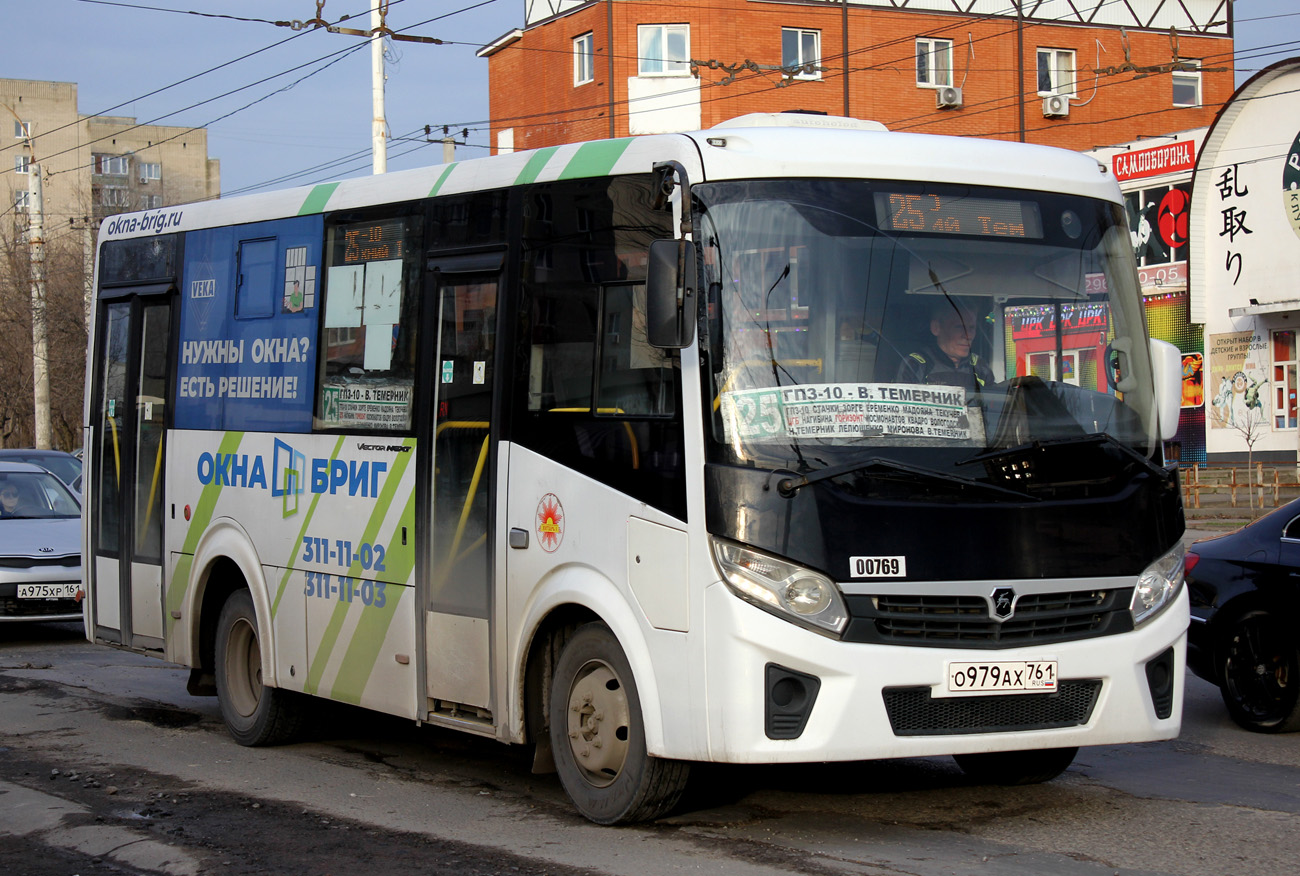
250 306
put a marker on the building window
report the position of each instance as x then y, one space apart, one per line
112 165
584 63
1187 83
22 200
150 202
1056 72
22 130
22 164
663 49
1284 379
115 196
933 62
803 49
150 171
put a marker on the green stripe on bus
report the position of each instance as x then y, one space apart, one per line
442 179
372 641
533 168
317 199
595 159
372 629
293 551
198 524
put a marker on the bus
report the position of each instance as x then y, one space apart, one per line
643 452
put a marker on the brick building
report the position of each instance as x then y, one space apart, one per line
1068 73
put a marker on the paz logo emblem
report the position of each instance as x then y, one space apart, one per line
46 550
1004 598
550 522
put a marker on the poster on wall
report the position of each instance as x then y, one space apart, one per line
1193 380
1237 379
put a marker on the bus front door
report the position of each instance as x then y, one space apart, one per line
127 467
459 593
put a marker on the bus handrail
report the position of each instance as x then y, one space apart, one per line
153 492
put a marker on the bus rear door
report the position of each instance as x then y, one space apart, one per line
128 467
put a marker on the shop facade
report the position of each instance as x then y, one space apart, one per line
1245 269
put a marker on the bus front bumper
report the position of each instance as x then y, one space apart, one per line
872 701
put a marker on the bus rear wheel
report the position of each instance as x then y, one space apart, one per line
598 736
1016 767
254 713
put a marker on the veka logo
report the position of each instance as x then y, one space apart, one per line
294 467
203 288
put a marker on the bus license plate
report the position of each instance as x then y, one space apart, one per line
1019 677
67 590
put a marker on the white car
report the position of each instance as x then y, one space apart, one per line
40 546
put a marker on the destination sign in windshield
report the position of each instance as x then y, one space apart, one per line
958 214
846 410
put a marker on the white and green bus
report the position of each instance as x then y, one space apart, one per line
644 452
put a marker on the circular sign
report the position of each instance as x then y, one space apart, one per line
1172 218
1291 185
550 522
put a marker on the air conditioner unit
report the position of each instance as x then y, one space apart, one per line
1057 106
947 97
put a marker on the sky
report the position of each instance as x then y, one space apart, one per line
286 107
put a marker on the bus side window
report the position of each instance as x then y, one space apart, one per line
635 378
562 351
371 304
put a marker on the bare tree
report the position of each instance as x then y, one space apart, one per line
1251 428
65 318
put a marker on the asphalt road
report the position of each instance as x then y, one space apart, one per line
108 766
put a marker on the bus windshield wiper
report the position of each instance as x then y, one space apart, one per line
1091 438
787 487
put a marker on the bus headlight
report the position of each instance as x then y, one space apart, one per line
786 589
1157 586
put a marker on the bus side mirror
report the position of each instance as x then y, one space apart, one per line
1167 369
670 294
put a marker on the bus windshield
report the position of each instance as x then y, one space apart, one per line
918 322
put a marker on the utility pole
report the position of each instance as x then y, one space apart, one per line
40 348
36 248
379 31
88 266
379 130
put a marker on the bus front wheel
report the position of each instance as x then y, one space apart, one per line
254 714
598 737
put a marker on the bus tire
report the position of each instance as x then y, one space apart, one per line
254 714
1016 767
598 735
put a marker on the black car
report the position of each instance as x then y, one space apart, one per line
1244 636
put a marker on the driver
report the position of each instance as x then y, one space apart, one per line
947 359
8 500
